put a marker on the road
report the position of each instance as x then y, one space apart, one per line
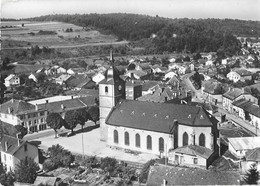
74 46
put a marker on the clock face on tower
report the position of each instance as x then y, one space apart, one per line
119 87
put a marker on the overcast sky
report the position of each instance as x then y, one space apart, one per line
235 9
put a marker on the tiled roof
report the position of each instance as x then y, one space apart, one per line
248 106
253 155
243 72
234 93
79 81
89 92
241 103
149 84
158 116
8 78
12 144
190 176
194 150
69 104
244 143
16 107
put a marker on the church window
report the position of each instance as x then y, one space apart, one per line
137 140
106 89
185 139
115 136
202 140
161 144
149 142
126 138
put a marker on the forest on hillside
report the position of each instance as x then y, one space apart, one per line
169 35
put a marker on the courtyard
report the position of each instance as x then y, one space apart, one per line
88 142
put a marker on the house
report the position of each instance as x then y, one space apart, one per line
73 71
13 150
235 94
212 91
239 107
63 79
136 74
169 75
252 157
63 106
239 146
98 77
209 63
12 80
149 86
33 77
239 75
80 82
158 69
18 112
55 70
191 155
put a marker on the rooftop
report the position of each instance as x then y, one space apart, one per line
243 72
13 144
194 150
234 93
158 117
16 107
244 143
253 155
190 176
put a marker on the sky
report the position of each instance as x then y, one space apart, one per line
234 9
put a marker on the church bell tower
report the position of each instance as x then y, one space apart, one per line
111 90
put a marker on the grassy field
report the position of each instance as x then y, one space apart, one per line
19 35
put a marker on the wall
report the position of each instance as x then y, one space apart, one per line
7 160
143 142
187 160
255 121
32 152
9 118
197 131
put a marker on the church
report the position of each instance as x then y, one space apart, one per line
162 129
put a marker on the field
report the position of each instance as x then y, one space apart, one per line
51 34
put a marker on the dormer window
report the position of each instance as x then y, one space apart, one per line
189 116
106 89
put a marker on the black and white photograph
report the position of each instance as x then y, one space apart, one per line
129 92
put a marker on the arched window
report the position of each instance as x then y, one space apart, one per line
126 138
149 142
137 140
161 144
185 139
106 89
202 140
115 136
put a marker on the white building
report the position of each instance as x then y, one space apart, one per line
239 146
12 80
13 150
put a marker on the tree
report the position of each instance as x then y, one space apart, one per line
72 118
26 171
6 178
2 89
94 113
22 130
252 175
41 77
145 171
197 78
55 121
83 117
108 164
59 157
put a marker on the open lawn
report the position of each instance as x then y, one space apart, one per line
49 34
93 146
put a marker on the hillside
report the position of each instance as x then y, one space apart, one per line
180 35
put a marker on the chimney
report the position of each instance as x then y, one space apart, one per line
72 97
6 146
36 107
62 106
9 110
18 136
46 101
